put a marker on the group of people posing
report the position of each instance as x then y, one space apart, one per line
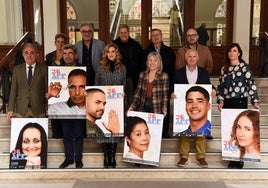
148 76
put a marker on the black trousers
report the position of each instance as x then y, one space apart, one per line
236 103
73 137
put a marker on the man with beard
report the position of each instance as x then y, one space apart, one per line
95 106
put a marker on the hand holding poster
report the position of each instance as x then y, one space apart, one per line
28 144
143 138
183 107
240 135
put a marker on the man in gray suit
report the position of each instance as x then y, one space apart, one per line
27 94
89 51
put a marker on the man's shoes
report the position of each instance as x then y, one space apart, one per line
66 163
202 163
182 163
79 163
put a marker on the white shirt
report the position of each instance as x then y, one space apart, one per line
27 68
191 75
61 110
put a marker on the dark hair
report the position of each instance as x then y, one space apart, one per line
156 29
254 117
123 26
69 46
199 89
94 90
227 60
132 121
61 35
77 72
43 134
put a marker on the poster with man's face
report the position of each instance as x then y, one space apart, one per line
28 143
69 102
240 135
143 135
181 120
106 106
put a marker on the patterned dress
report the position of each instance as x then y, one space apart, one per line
238 82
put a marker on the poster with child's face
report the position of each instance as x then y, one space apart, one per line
240 135
28 144
143 135
196 105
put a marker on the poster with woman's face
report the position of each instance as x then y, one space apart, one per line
181 120
143 135
240 135
28 143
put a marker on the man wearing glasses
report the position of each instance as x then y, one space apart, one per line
89 51
72 113
205 59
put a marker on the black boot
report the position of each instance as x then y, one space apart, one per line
105 149
112 154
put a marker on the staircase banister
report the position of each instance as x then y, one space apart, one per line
4 62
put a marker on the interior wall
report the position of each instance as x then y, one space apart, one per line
51 24
241 32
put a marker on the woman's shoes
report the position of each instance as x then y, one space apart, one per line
236 164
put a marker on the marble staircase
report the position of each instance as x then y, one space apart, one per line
252 173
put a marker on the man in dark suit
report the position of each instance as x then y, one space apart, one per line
191 73
27 94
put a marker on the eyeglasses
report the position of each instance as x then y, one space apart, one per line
86 32
192 35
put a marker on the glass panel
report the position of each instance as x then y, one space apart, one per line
79 12
126 12
256 23
213 17
37 21
168 16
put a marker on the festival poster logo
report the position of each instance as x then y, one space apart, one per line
60 74
240 135
28 143
114 102
180 118
143 135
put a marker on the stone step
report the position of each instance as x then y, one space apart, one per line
167 160
167 146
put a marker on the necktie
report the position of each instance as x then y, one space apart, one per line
30 74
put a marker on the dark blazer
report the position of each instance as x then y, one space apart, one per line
22 94
181 78
50 59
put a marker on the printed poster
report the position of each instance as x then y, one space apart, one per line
114 103
143 135
180 117
60 74
28 143
240 135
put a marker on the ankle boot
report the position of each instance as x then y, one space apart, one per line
113 147
105 149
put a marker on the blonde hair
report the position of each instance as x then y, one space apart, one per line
158 57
